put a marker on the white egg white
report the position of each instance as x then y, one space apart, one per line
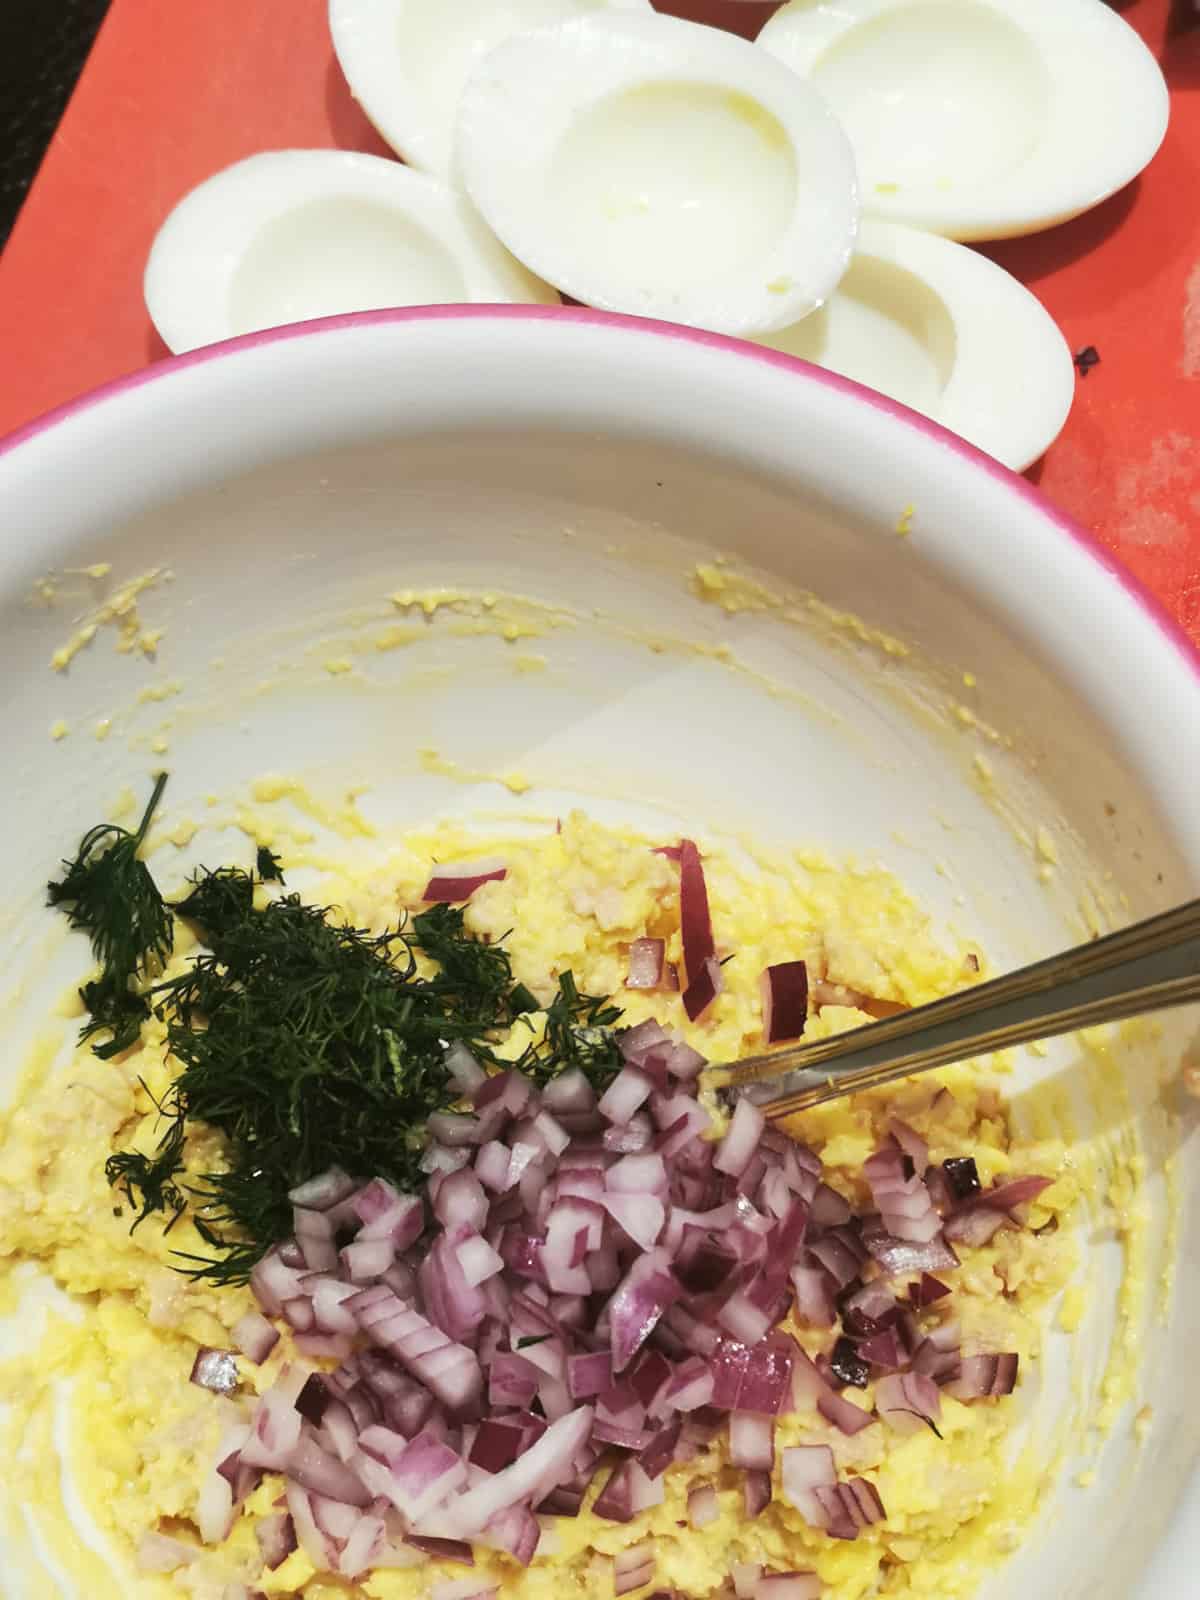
294 234
944 330
980 120
648 165
406 61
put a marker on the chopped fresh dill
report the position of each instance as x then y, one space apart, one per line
108 892
579 1033
148 1182
308 1044
266 864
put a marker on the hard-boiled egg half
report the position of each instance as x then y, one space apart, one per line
406 61
294 234
980 120
946 331
649 165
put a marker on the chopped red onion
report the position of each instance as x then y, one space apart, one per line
814 1297
900 1258
703 1506
829 1209
646 958
784 1001
927 1291
745 1576
740 1139
548 1462
743 1320
496 1445
984 1376
627 1093
1016 1192
334 1518
752 1441
839 1253
961 1177
315 1236
454 882
276 1537
215 1511
362 1546
276 1432
976 1226
849 1507
461 1200
365 1260
465 1072
756 1492
477 1259
640 1215
805 1468
911 1142
157 1552
317 1547
908 1402
454 1128
788 1586
844 1414
695 921
703 989
633 1567
658 1455
317 1471
883 1350
646 1291
692 1386
628 1492
388 1215
569 1091
215 1370
453 1550
255 1337
324 1191
515 1531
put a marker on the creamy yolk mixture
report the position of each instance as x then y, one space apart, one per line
108 1440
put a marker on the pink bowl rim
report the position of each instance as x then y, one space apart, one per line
1148 603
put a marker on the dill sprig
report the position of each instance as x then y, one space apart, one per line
108 892
308 1043
148 1182
266 864
579 1033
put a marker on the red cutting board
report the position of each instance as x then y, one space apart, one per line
176 89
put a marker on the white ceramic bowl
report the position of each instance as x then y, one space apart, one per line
291 480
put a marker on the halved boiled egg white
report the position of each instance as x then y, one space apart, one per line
941 328
406 61
649 165
980 120
294 234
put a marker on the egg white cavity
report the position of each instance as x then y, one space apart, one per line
944 330
980 120
883 327
961 124
653 166
294 234
406 61
647 182
285 275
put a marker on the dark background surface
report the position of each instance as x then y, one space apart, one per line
43 45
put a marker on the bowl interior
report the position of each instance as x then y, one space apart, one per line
672 583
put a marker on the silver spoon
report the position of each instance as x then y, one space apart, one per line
1147 967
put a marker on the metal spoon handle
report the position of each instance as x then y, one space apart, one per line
1147 967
